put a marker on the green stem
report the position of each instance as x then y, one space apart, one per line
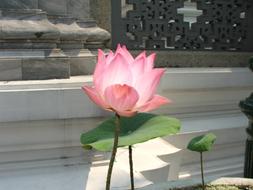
202 171
114 151
131 167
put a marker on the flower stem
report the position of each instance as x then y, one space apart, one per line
202 170
131 167
114 151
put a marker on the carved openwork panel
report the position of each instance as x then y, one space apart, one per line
162 24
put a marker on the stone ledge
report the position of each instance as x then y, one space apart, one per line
200 58
186 99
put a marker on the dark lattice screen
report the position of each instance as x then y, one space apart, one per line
159 25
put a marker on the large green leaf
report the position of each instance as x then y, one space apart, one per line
136 129
202 143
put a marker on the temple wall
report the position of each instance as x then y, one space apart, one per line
77 8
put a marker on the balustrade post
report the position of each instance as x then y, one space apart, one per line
247 108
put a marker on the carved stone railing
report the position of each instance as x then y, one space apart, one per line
214 25
45 39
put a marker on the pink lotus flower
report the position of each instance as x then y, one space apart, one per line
126 85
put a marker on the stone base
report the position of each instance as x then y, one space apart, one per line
82 65
34 68
82 61
45 68
45 64
10 69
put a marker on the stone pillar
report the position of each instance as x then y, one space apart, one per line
74 15
79 9
78 32
101 11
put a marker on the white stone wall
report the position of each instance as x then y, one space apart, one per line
41 121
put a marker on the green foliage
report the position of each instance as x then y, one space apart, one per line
202 143
136 129
251 63
251 60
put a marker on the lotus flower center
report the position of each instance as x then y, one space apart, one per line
121 90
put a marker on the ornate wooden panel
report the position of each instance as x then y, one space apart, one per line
224 25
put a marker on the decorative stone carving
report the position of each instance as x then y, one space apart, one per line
28 46
24 27
47 39
153 24
97 37
70 32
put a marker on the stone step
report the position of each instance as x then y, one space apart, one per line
120 177
227 166
152 167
